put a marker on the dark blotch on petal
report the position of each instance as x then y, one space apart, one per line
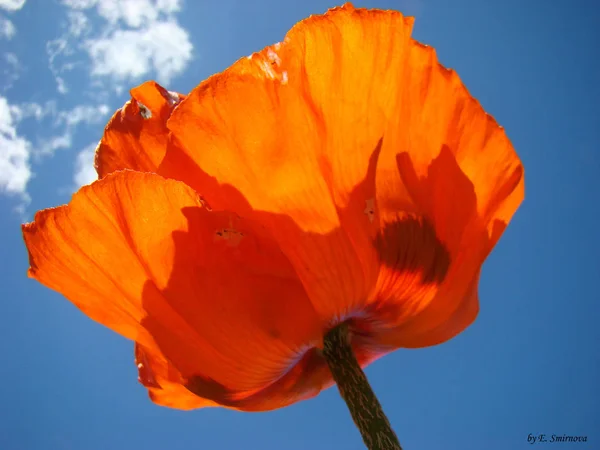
409 244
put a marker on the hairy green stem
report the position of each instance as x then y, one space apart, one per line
354 388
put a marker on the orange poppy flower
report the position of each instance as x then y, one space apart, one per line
340 176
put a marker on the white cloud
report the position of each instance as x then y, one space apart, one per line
129 54
11 5
80 4
18 152
7 28
78 23
11 68
134 13
51 144
83 113
54 49
32 110
131 40
69 121
85 173
15 150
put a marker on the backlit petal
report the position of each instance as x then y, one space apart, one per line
210 290
298 129
383 180
165 384
438 300
304 380
436 114
433 325
136 136
465 180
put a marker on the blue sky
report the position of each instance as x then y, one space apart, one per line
529 364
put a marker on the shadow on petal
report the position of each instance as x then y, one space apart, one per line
448 201
280 354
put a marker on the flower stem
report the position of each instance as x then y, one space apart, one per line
354 388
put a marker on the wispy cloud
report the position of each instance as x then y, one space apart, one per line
64 53
18 152
33 110
15 169
130 54
120 42
11 69
7 29
85 172
11 5
15 149
68 122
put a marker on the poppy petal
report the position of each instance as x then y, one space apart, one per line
430 305
436 323
304 380
136 136
437 115
449 168
212 291
463 176
165 385
298 128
